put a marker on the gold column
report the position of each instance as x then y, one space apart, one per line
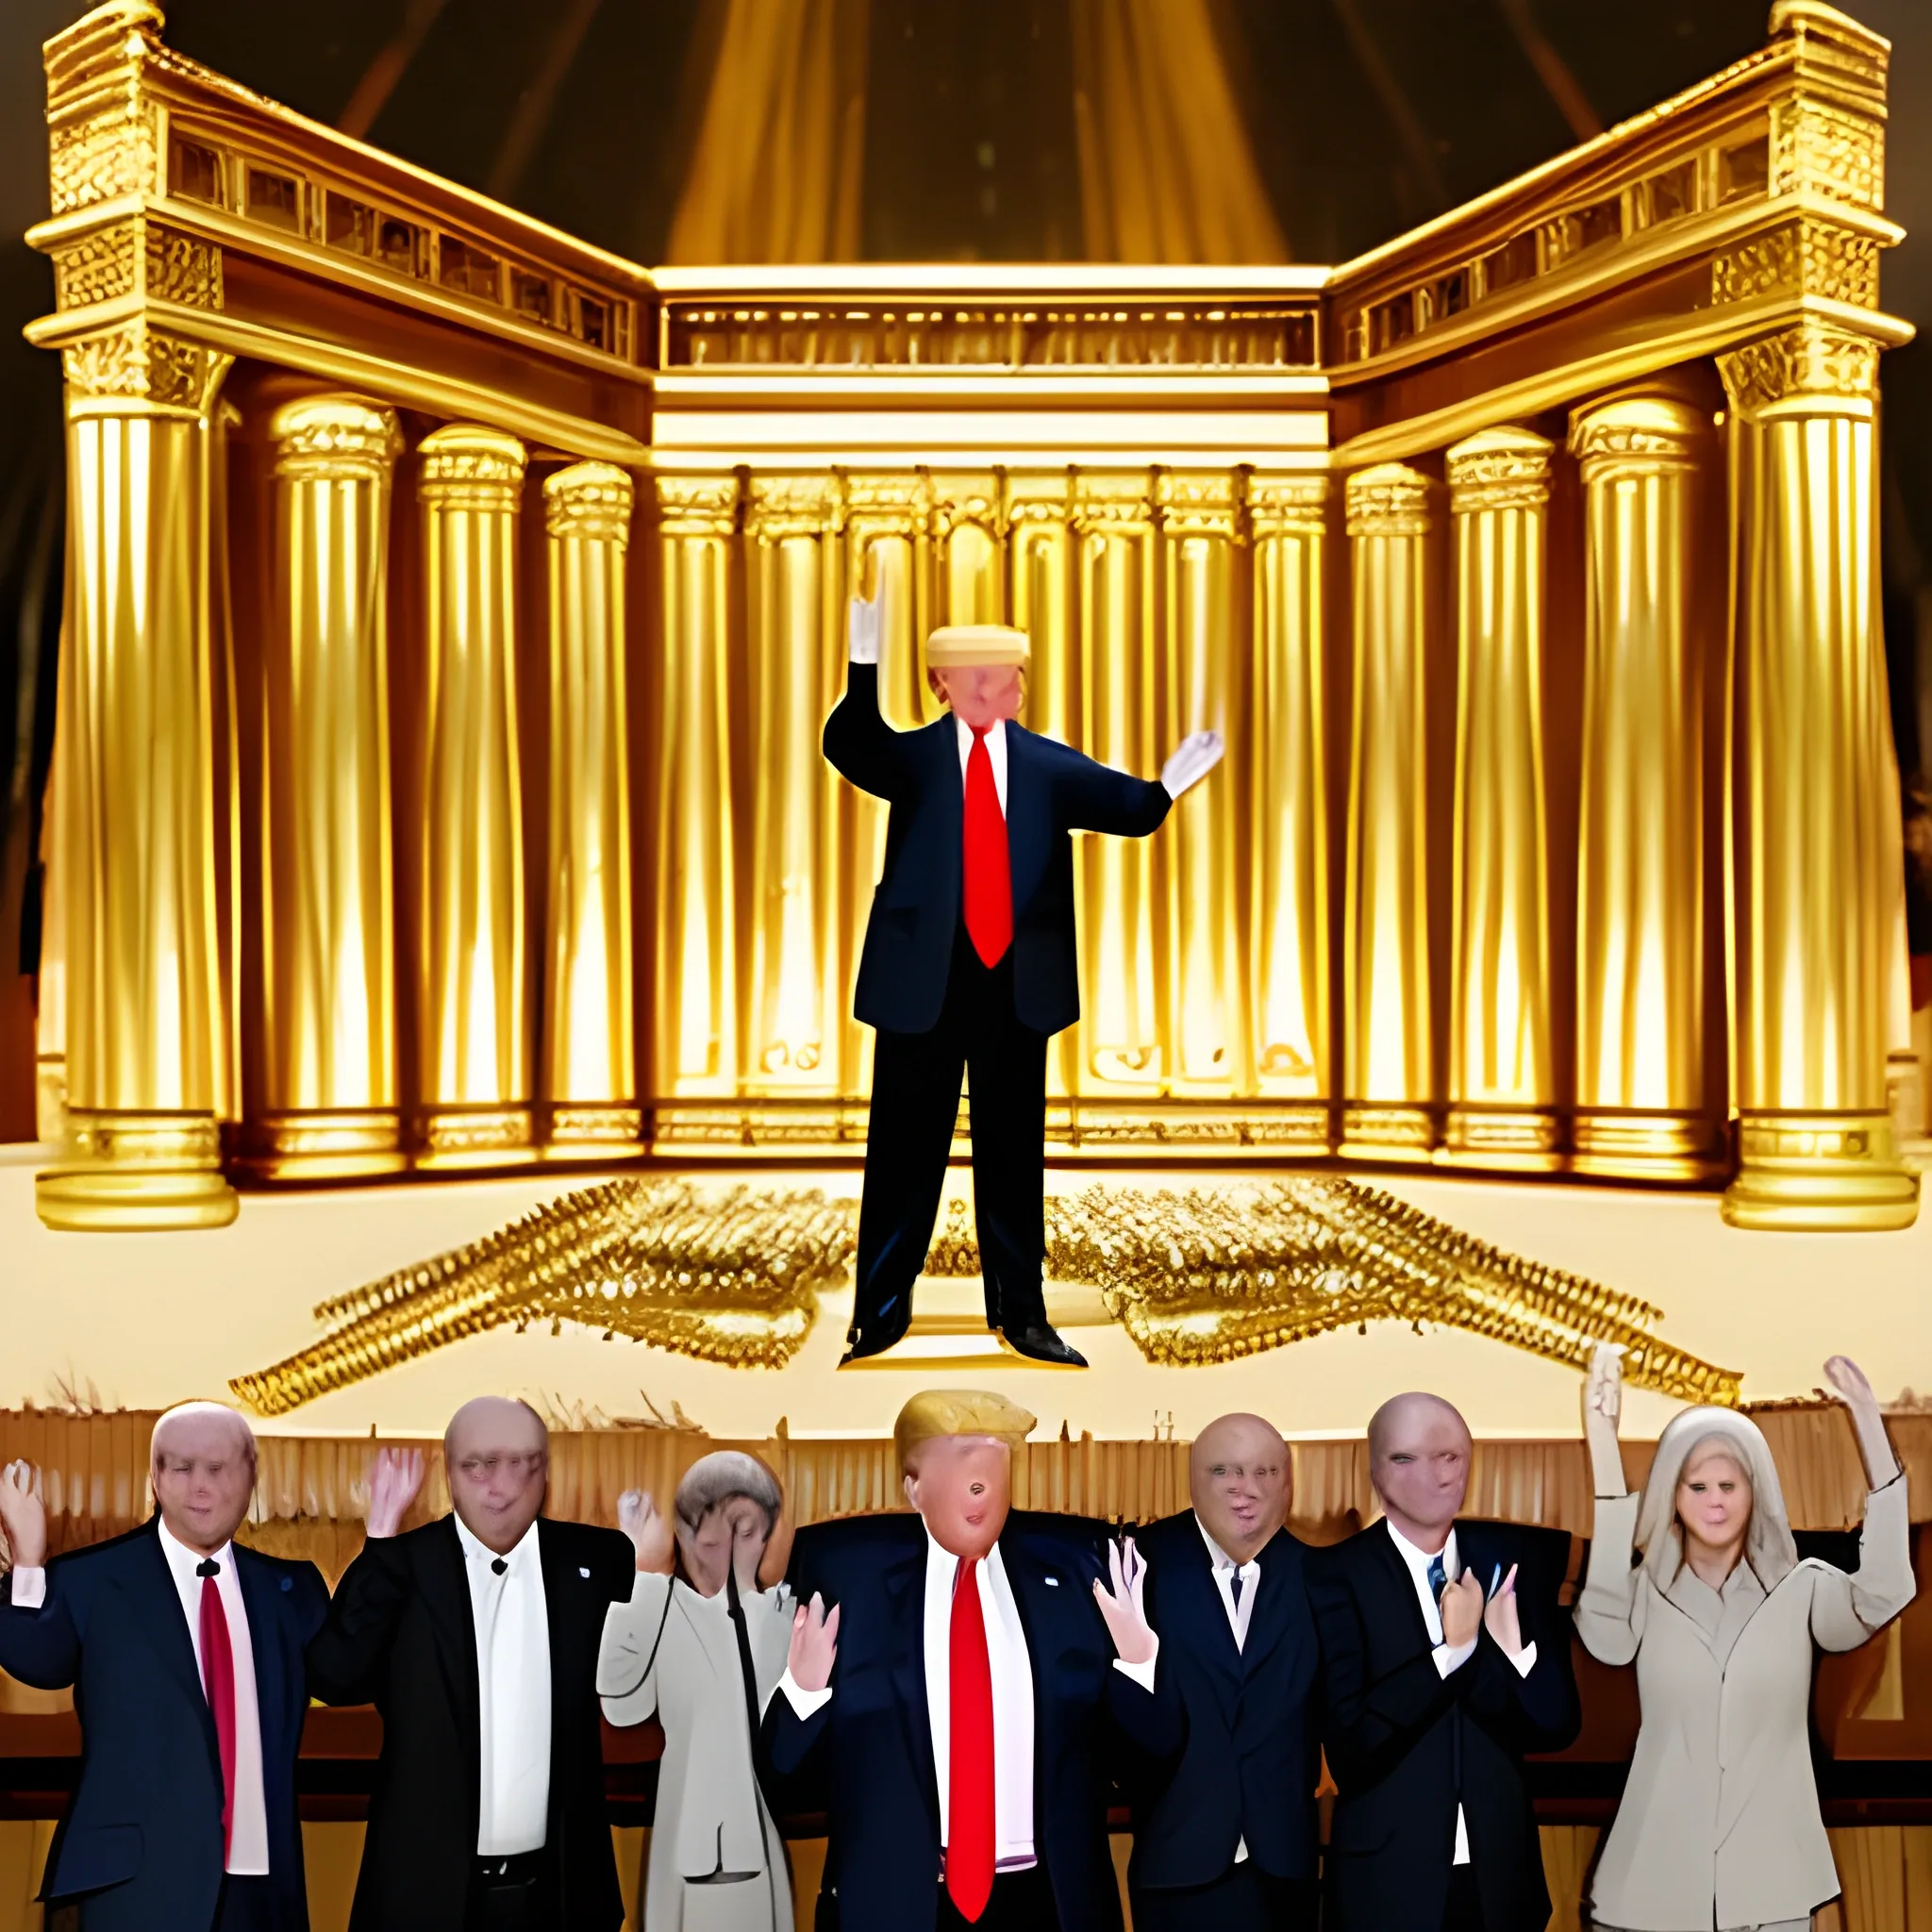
328 1073
969 524
50 982
1817 820
1642 1105
1209 1056
796 1008
1122 1025
1388 1073
135 835
474 1032
1287 762
695 1031
590 1049
1502 1090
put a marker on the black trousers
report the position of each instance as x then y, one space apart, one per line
516 1894
915 1102
1021 1901
1242 1899
1463 1910
247 1905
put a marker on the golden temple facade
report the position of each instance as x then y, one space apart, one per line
453 610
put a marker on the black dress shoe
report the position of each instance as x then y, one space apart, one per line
877 1335
1040 1343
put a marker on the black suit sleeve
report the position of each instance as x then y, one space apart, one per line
1095 798
41 1646
859 745
1541 1711
1367 1724
310 1594
348 1658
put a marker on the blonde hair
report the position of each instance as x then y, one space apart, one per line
1769 1547
958 1413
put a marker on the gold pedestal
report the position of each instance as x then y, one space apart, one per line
1820 1174
125 1173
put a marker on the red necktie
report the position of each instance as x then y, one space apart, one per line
218 1680
988 898
970 1803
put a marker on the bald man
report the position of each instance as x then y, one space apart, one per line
477 1638
1226 1836
185 1654
1445 1658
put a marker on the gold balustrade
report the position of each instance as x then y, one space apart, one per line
1519 859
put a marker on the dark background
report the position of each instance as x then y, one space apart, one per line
1366 117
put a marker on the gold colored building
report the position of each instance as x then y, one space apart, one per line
454 609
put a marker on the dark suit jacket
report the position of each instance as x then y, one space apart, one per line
867 1753
1051 791
401 1636
1252 1756
142 1837
1405 1743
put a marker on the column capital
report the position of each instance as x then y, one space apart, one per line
590 500
1643 435
1294 506
794 505
465 463
976 500
334 439
135 368
1390 500
1499 469
702 506
1111 505
1198 502
1816 361
890 504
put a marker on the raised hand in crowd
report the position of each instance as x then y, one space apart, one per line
1603 1403
1848 1382
23 1516
650 1535
814 1644
1123 1608
1500 1617
396 1477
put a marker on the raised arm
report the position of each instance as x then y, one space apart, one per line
39 1644
859 743
1847 1610
1096 798
633 1640
1607 1611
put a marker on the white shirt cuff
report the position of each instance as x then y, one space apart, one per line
1453 1658
1141 1673
1525 1659
29 1588
803 1702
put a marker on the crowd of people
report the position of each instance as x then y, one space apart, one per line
962 1690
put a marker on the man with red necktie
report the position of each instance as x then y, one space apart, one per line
971 963
958 1707
185 1651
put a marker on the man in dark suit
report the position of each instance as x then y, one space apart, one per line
185 1654
1225 1836
477 1638
1445 1658
958 1707
970 963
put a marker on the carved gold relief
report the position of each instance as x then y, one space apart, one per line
1803 259
1813 360
110 155
138 257
138 363
1826 150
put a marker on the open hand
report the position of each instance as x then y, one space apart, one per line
1499 1617
394 1480
1848 1379
863 630
814 1644
1123 1608
1603 1383
1194 758
1462 1610
23 1515
1868 1423
649 1534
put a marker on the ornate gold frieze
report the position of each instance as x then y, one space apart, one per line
105 157
1202 1276
138 363
1820 148
1803 258
138 258
1813 360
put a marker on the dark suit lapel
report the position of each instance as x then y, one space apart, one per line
445 1589
1027 826
263 1602
1202 1606
166 1628
1396 1569
562 1593
1271 1621
905 1594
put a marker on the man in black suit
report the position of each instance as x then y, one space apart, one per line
1225 1836
957 1710
185 1654
970 963
477 1638
1445 1658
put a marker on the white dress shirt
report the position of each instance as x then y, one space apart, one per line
248 1827
1448 1656
512 1622
1238 1615
996 752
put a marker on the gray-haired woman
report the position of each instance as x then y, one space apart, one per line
701 1647
1719 1826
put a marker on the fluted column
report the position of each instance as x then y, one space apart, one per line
473 1030
1643 1108
1388 1071
589 1048
1817 830
695 1031
1289 921
135 838
50 981
329 1068
1502 1083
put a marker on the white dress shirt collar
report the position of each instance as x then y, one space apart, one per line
995 751
512 1626
1225 1571
1418 1562
477 1551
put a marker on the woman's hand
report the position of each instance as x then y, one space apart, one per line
1868 1425
1603 1403
650 1536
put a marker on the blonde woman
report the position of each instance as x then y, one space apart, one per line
1719 1826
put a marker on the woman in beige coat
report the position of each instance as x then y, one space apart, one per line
1719 1826
702 1648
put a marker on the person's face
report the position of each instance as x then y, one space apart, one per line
980 695
203 1476
1237 1477
731 1532
962 1486
1714 1500
1422 1471
498 1465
